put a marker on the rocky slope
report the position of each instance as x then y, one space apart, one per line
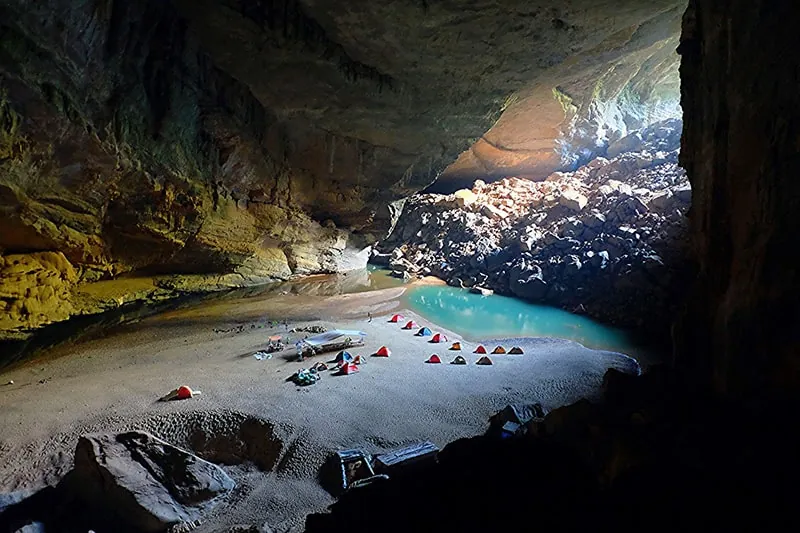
608 239
196 145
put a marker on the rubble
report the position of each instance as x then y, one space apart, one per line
608 238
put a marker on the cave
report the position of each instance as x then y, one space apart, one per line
202 194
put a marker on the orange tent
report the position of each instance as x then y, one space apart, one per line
480 349
439 338
484 361
396 318
456 346
516 350
410 325
357 360
433 359
499 349
383 351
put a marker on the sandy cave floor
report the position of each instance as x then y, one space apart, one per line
112 384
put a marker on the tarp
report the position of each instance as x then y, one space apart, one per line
423 332
484 361
499 349
456 346
396 318
439 338
480 349
383 351
434 359
336 335
516 350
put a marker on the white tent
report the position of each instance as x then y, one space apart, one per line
334 336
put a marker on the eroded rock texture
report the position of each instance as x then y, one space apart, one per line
194 145
740 150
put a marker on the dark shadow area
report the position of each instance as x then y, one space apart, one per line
686 464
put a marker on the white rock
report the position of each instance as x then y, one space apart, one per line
573 200
620 187
465 197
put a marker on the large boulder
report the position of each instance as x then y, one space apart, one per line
572 199
465 197
629 143
144 482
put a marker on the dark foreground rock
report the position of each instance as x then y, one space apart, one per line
148 484
607 239
649 458
126 482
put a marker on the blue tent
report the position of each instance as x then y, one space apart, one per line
424 332
343 357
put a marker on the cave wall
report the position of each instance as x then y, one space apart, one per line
740 148
572 116
195 145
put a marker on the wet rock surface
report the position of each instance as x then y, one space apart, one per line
608 240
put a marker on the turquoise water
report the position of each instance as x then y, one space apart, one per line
477 317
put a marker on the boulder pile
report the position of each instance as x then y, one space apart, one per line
608 239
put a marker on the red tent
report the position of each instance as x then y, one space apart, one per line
439 338
383 351
184 393
434 359
484 361
410 325
396 318
480 349
348 368
499 349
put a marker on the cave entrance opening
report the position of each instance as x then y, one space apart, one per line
573 199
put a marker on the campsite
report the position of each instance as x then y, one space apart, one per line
385 392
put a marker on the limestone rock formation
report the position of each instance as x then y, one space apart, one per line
147 484
205 144
608 239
